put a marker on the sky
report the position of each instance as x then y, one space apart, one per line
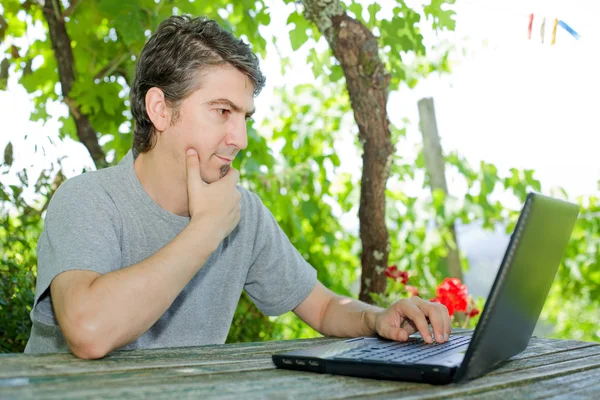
510 101
518 102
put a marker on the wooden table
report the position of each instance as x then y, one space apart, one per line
546 369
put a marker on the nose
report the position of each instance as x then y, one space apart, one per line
237 135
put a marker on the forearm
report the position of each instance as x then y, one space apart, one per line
338 316
345 317
120 306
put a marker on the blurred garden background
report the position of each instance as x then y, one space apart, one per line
515 92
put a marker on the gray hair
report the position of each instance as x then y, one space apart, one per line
173 60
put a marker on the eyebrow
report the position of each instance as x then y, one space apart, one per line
230 104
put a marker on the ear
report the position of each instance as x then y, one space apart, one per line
157 109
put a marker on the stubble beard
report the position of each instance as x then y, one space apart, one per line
223 170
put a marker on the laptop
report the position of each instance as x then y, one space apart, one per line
533 255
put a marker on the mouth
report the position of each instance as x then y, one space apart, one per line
224 159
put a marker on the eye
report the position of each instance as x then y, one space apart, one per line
223 111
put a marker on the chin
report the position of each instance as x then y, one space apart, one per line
211 178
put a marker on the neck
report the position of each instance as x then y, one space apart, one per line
159 175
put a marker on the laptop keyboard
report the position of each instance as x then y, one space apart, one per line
402 352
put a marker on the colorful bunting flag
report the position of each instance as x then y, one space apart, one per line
556 23
566 27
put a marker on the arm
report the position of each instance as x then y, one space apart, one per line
99 313
339 316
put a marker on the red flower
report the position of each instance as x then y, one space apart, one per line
453 294
412 290
473 312
395 274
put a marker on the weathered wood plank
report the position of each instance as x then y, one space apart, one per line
540 346
584 384
245 370
519 364
42 386
249 385
19 365
248 363
200 380
31 365
276 384
493 382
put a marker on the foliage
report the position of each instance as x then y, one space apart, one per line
20 227
421 238
573 302
104 57
400 36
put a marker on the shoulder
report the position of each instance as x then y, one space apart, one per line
93 182
255 212
252 203
88 189
248 196
82 204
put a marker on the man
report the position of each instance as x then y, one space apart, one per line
155 252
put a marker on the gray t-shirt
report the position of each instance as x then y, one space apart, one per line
104 220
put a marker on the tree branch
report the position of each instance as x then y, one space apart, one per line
56 9
61 45
58 180
3 27
111 67
356 48
71 8
72 107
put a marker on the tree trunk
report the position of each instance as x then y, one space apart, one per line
436 172
61 45
356 48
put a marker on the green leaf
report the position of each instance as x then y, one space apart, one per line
23 178
438 198
16 191
298 35
309 209
8 154
357 10
373 9
420 161
335 160
68 128
4 67
3 195
337 73
441 18
129 20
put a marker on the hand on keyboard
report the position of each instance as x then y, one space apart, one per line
408 316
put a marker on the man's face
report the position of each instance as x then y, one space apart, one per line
212 120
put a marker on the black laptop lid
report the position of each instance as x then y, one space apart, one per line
522 284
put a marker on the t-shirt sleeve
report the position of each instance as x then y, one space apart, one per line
81 232
279 278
